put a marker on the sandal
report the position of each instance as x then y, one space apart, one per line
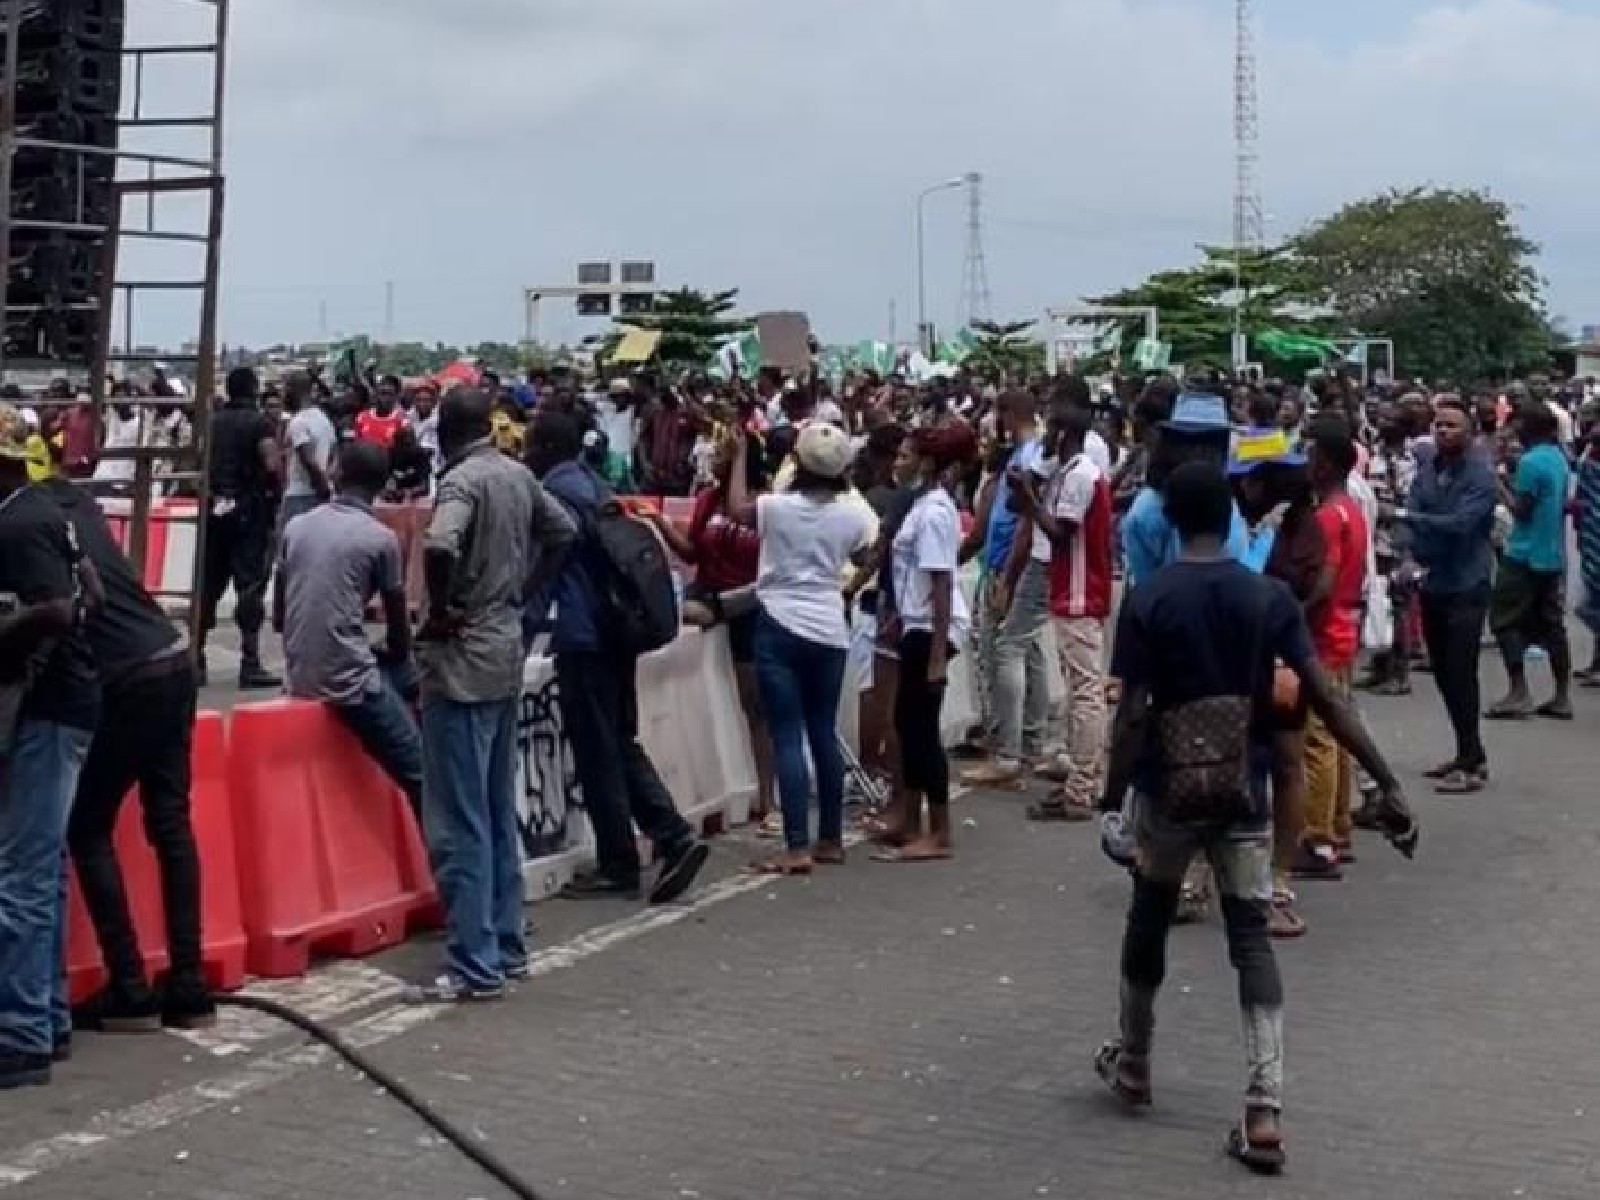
828 854
1555 710
1127 1077
771 826
1283 922
1508 710
1257 1142
1459 783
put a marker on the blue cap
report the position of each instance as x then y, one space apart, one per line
1198 412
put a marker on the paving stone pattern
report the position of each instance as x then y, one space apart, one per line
912 1032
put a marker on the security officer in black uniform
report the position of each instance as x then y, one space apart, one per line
244 469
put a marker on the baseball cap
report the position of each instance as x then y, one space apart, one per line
823 450
13 434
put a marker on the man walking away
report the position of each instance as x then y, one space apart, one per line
598 689
312 438
244 460
1528 607
144 739
49 706
478 556
1451 519
335 559
1195 650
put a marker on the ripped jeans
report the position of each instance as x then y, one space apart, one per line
1242 863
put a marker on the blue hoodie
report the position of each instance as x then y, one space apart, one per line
577 621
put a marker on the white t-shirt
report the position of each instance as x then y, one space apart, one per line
1097 451
616 424
309 427
1067 498
120 435
805 546
929 540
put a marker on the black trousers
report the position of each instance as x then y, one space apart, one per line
1452 627
918 705
237 546
146 727
599 699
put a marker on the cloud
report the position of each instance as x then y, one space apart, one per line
462 149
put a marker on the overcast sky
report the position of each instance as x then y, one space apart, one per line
464 148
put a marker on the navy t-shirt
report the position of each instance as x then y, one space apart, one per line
1186 633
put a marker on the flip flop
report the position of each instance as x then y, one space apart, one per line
776 866
898 854
1554 711
1509 712
1263 1159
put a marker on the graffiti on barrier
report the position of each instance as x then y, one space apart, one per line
548 776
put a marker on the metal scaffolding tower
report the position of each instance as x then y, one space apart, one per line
1249 221
975 274
160 233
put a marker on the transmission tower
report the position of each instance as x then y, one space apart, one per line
1249 223
975 274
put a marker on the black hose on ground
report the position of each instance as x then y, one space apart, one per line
425 1112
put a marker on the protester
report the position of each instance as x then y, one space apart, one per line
1528 604
49 708
1335 618
1451 518
1070 528
808 536
311 438
930 622
244 463
1178 655
490 519
1016 606
1392 470
726 555
143 739
1587 503
597 685
334 561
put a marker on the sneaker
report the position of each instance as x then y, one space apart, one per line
23 1070
517 969
596 886
186 1003
678 871
451 989
119 1008
253 677
1316 862
1257 1141
1117 841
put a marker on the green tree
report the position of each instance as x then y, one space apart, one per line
692 324
1445 273
1196 306
1005 350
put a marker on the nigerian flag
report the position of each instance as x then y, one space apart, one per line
739 355
1280 343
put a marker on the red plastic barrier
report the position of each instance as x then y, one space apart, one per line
330 862
222 929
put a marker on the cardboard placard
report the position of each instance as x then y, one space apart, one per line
785 340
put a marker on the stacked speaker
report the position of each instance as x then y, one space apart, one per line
68 90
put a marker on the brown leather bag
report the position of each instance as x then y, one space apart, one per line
1205 761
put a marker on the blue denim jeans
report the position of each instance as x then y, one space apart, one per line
800 682
36 790
383 724
469 813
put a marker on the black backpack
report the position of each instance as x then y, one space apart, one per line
632 573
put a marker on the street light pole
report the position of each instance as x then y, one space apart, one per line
922 272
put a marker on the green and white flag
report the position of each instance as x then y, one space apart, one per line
1152 355
1111 341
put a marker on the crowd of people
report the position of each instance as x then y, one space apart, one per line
1256 551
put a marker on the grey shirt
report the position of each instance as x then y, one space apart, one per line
492 515
335 559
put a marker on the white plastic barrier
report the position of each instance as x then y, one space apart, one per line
692 727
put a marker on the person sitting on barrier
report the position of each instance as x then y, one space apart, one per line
146 728
490 518
334 561
725 555
49 706
598 693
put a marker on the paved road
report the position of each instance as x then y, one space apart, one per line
907 1032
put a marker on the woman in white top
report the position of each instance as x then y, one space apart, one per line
931 621
808 537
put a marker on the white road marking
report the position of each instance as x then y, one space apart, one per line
327 994
183 1104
